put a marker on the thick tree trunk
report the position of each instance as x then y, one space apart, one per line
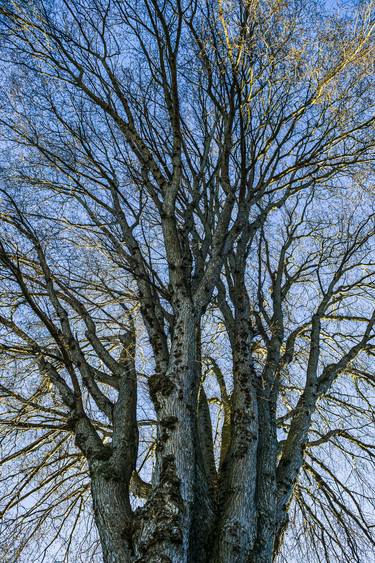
112 513
167 521
195 514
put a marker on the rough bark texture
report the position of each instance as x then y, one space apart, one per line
112 514
237 518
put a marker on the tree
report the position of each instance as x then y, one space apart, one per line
187 280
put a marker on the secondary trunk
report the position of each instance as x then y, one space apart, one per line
237 507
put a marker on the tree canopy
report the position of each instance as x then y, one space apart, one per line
186 281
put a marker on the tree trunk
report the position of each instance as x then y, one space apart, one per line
195 514
166 522
112 513
265 482
237 519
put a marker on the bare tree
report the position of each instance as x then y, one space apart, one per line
186 281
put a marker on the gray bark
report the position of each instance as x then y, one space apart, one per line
112 513
165 521
237 507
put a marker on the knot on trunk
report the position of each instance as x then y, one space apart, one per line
160 386
158 523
